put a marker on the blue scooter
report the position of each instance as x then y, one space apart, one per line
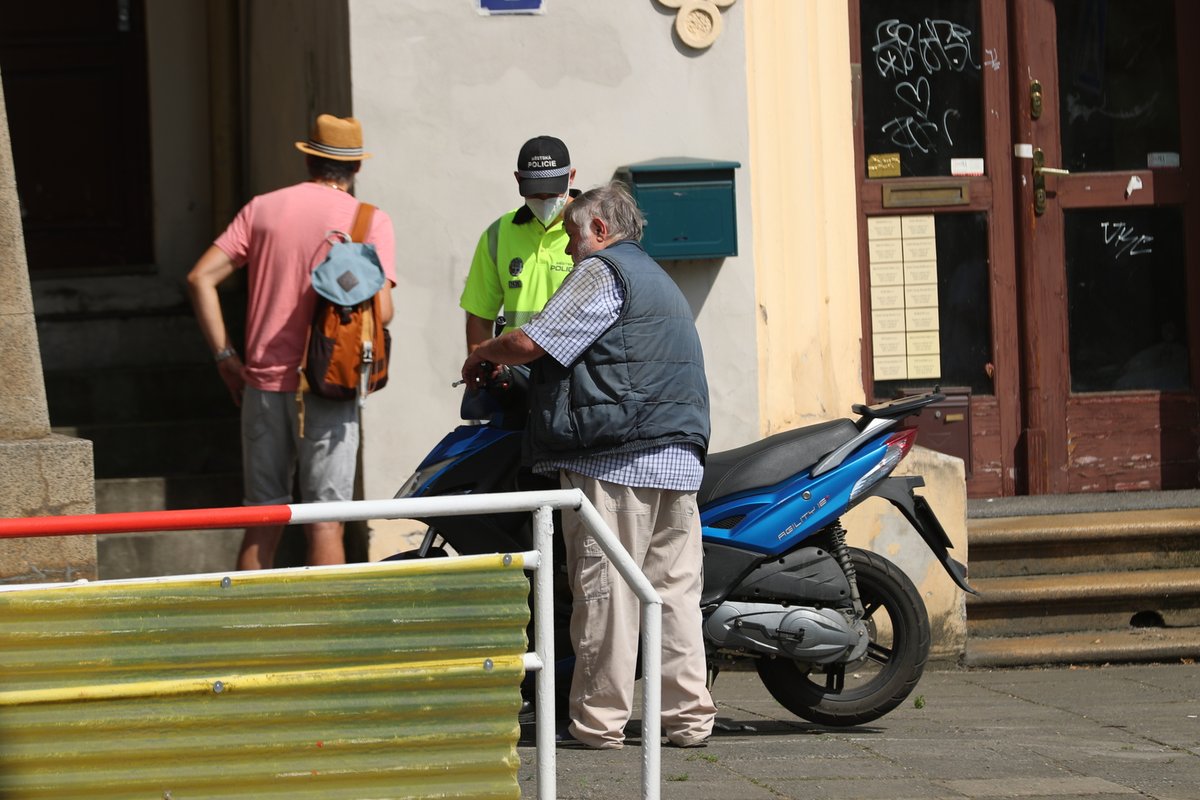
839 635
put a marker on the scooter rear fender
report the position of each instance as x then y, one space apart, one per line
916 509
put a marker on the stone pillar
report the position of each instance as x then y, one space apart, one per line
41 473
877 526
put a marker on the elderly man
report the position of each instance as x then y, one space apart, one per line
620 411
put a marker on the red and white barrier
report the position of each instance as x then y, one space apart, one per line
129 522
539 503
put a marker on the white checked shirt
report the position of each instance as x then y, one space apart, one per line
586 305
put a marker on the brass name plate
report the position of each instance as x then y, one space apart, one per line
883 165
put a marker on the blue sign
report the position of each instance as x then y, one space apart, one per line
511 6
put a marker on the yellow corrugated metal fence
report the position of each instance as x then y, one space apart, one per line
393 680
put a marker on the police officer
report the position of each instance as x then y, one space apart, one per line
521 258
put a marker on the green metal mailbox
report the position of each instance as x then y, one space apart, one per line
689 205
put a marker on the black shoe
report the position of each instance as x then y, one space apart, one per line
565 740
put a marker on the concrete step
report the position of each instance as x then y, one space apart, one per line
1042 604
149 554
1086 647
184 447
1084 542
1084 578
164 493
1049 504
144 555
161 330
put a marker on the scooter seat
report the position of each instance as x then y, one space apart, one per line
769 461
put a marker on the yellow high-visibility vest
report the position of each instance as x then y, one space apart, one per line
518 265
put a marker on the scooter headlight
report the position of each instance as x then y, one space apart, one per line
897 448
421 477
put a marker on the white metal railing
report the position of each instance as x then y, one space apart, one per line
542 504
540 559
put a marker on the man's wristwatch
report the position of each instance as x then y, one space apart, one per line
228 352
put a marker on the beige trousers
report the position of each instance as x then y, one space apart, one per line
661 530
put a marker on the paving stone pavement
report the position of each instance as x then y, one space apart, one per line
1109 732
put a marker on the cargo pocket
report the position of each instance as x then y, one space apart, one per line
591 571
632 514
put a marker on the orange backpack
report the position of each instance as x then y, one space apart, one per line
347 352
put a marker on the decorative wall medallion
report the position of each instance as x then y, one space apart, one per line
698 22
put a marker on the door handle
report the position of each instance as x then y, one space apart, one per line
1040 171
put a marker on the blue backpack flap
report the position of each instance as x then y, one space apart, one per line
351 272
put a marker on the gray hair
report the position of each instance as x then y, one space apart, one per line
611 203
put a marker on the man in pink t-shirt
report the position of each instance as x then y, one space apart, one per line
280 237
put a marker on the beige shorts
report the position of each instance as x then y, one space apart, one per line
274 455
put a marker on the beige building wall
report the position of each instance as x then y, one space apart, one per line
614 81
809 314
804 227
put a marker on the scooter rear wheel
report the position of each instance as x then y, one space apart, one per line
884 677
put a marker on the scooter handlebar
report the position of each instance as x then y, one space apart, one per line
504 390
500 380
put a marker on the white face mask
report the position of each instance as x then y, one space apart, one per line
547 210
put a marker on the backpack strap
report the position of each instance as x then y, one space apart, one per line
368 349
302 386
362 225
362 222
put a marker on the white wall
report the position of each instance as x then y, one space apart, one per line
447 97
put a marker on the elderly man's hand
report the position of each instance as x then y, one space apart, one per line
476 370
485 360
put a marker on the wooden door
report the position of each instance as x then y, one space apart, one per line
1038 153
938 270
1105 164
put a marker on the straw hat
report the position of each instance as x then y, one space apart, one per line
336 138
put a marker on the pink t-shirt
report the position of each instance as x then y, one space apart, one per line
280 237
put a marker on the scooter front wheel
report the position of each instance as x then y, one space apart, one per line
864 690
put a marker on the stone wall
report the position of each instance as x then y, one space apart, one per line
40 473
